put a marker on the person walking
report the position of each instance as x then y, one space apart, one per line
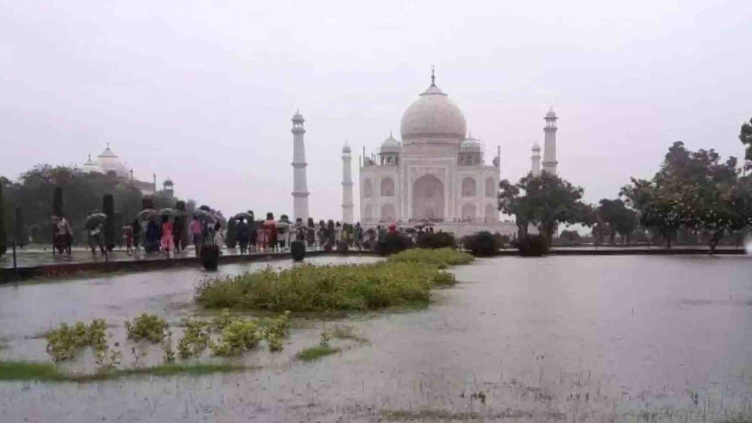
127 238
66 234
167 241
270 231
253 236
217 238
95 239
152 236
242 232
310 233
322 234
358 236
178 228
136 231
197 232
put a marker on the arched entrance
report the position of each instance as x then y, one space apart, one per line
388 213
468 212
428 198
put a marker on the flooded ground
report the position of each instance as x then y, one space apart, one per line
630 338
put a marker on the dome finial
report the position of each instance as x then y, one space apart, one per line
433 76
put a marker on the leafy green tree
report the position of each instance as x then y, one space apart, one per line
80 192
19 230
548 200
618 217
694 190
108 208
3 238
745 136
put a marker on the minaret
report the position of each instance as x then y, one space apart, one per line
299 184
536 160
347 186
549 154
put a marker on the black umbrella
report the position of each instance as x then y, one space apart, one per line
244 215
205 216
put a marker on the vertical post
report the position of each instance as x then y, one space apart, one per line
15 265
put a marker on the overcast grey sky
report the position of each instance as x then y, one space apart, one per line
203 92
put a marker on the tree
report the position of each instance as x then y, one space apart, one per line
745 136
57 202
19 231
3 239
548 200
618 217
693 190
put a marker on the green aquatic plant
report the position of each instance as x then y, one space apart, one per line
64 342
47 372
325 338
146 326
441 257
195 338
238 336
316 352
310 288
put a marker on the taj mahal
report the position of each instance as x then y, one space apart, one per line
436 173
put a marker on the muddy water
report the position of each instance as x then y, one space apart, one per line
555 339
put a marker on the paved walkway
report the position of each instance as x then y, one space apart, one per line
36 256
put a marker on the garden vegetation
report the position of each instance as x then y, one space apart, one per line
325 288
442 257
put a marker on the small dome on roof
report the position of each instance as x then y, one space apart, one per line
346 149
536 147
390 142
551 114
168 182
297 117
91 167
470 143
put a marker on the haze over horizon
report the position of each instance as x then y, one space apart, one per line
203 92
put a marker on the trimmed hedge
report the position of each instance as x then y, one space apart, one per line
481 244
436 240
297 250
393 243
532 246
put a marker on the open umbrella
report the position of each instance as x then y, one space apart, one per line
95 219
205 216
171 212
244 215
147 214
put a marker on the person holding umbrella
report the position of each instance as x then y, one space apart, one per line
197 232
270 231
243 233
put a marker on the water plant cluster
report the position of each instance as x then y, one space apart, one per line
440 257
311 288
148 327
64 342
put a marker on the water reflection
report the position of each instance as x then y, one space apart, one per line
562 338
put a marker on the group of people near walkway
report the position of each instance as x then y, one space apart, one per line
167 235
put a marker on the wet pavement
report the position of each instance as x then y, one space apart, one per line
585 339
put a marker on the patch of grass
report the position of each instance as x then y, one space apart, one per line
314 353
324 288
47 372
22 370
441 257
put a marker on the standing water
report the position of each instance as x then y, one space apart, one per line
632 338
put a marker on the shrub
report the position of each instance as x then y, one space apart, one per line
481 244
146 326
3 245
64 342
441 257
532 246
323 288
297 250
210 257
343 247
436 240
237 337
393 243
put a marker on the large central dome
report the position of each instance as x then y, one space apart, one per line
433 118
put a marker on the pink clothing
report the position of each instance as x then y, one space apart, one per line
196 227
168 243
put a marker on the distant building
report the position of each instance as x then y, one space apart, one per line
436 174
109 163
